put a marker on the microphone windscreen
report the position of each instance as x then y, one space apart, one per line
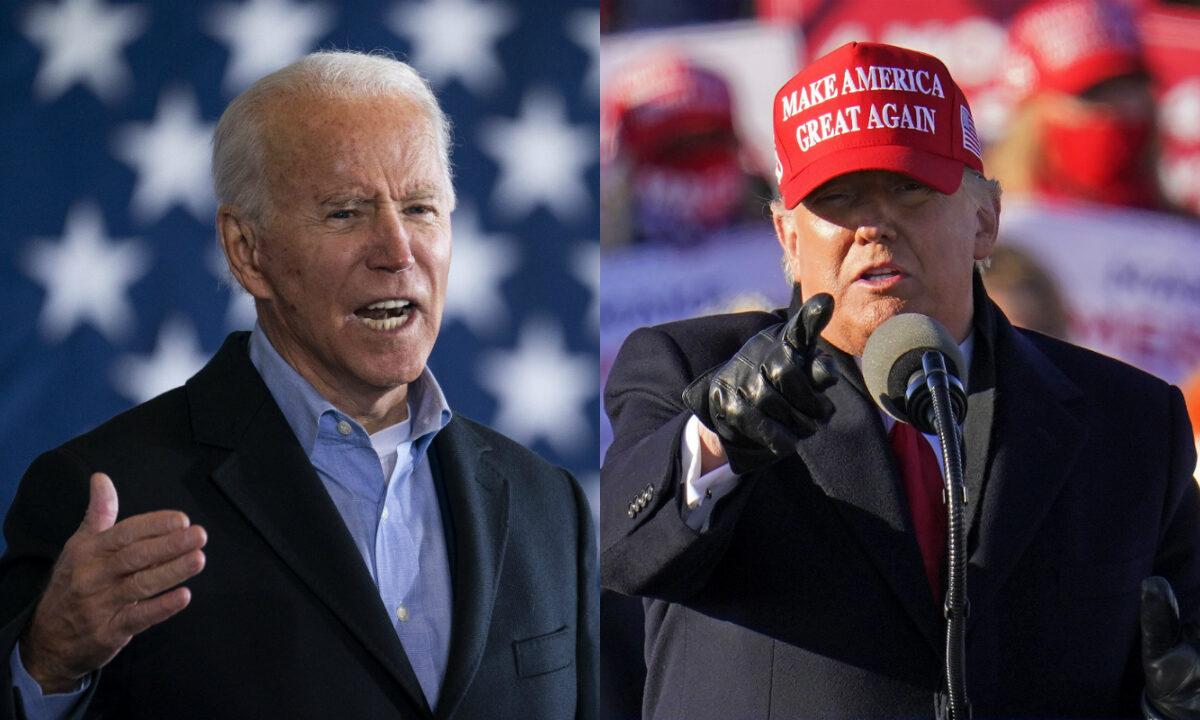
893 353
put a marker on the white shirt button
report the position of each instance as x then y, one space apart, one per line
344 427
385 514
402 613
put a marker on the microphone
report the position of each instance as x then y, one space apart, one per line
896 371
912 368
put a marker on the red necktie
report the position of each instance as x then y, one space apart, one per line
923 485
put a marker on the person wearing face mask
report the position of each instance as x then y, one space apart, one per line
789 538
1084 119
675 169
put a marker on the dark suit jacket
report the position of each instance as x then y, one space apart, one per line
806 598
285 620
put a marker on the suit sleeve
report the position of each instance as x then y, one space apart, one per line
652 551
1178 556
47 509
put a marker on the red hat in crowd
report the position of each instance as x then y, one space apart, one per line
867 106
664 97
1070 45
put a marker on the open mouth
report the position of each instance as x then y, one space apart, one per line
881 276
385 314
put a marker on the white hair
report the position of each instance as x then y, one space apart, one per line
238 157
984 191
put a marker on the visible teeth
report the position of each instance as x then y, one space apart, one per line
880 273
388 304
386 324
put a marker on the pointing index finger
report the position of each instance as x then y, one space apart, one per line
803 328
816 314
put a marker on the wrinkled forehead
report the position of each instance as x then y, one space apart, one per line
311 133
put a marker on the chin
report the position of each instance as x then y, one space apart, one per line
865 319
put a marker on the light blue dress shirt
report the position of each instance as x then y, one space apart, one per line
383 487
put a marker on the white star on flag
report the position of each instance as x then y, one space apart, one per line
265 35
455 39
81 42
585 265
481 262
541 389
542 158
86 276
584 28
171 155
177 356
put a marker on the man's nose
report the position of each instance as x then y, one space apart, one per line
392 242
875 220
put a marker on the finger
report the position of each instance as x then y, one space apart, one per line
782 408
152 581
138 617
102 505
1160 618
755 425
794 334
823 372
158 550
139 527
815 315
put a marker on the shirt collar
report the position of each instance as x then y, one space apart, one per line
303 406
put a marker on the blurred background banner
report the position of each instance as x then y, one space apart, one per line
113 283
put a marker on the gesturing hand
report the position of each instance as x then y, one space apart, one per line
1169 655
107 586
770 394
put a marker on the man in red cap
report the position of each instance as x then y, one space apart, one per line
789 538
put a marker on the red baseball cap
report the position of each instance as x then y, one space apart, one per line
662 97
1070 45
868 106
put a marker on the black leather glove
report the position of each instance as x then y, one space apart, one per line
770 394
1169 656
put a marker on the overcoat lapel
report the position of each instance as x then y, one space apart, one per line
271 482
866 489
478 493
1039 435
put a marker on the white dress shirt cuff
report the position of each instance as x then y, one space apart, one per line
36 704
701 492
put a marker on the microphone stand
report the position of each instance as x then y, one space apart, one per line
954 494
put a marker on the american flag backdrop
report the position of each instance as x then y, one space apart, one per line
111 277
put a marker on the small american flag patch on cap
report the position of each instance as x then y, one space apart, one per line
970 139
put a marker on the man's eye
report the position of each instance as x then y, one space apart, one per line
341 214
913 186
421 210
832 197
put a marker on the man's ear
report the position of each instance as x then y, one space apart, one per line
239 240
785 232
988 229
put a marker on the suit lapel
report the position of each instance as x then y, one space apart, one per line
270 481
1039 437
866 489
478 494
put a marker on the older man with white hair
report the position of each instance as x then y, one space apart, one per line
305 529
